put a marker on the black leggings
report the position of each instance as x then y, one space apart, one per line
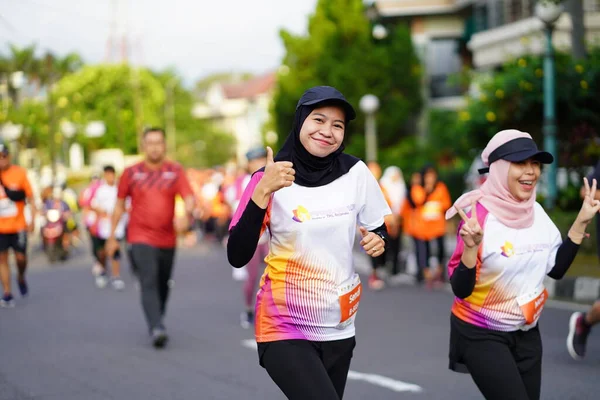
507 368
423 252
391 253
308 370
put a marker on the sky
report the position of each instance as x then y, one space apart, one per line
196 37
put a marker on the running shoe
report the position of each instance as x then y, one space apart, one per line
101 281
375 282
159 338
118 284
578 334
23 287
7 301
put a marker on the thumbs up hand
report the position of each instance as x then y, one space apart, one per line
371 242
277 175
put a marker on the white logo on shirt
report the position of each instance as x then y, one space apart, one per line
332 212
169 175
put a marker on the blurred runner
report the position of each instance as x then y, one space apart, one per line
378 263
152 185
257 159
392 184
580 324
103 204
15 190
90 219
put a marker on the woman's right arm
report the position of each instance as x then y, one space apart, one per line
465 263
247 224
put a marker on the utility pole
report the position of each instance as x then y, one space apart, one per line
170 116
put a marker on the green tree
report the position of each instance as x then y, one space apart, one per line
339 50
107 93
513 98
198 144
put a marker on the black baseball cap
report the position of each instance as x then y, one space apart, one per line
517 150
323 94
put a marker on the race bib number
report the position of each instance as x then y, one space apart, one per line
8 208
432 210
532 304
349 297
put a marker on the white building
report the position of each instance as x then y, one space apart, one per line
240 109
483 34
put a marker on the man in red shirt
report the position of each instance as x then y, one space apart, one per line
152 186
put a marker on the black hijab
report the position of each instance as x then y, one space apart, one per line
313 171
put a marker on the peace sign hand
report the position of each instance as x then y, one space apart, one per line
590 206
471 232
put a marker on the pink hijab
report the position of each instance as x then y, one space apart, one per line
494 194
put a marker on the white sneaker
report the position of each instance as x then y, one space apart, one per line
101 281
7 301
118 284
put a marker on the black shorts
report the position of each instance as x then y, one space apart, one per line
15 241
98 245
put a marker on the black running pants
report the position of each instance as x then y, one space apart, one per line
308 370
509 369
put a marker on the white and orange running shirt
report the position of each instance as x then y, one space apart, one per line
509 292
309 289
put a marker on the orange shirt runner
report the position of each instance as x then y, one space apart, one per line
12 214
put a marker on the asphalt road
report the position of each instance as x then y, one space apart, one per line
72 341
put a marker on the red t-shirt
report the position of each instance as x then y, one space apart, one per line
152 193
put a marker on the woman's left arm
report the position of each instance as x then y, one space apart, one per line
568 249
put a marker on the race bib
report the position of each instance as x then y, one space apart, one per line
432 210
8 208
532 304
349 297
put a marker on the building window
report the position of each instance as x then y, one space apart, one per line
591 5
502 12
443 62
516 10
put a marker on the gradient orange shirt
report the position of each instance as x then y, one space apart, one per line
12 213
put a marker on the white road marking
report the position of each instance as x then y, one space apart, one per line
383 381
250 343
374 379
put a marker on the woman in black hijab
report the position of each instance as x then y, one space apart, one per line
310 197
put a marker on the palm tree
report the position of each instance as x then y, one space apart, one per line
19 60
52 69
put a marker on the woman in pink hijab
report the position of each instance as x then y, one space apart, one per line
506 245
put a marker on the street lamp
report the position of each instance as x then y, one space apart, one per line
369 104
549 12
379 32
68 130
17 79
11 133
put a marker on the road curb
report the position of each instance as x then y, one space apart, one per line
579 289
